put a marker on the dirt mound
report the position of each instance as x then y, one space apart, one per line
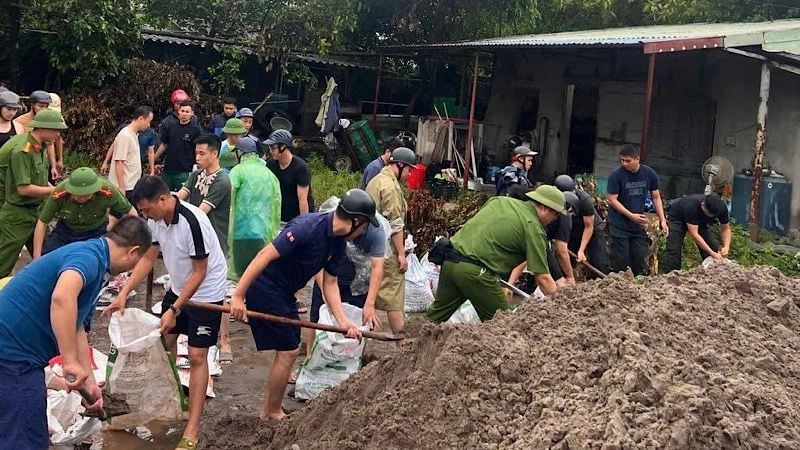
705 359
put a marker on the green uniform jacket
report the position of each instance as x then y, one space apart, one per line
80 217
17 142
503 234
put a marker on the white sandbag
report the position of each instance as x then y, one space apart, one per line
465 314
431 272
64 422
418 291
140 367
333 359
711 262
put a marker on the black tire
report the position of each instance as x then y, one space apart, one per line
340 162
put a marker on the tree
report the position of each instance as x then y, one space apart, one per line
84 38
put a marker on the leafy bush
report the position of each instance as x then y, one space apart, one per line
326 182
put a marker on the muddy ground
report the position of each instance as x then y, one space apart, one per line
707 359
238 390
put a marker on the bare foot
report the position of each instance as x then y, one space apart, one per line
270 417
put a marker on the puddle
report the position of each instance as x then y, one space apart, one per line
155 436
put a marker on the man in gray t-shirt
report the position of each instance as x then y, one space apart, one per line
209 187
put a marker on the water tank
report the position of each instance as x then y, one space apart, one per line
776 201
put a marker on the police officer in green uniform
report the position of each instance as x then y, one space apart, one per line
82 204
26 166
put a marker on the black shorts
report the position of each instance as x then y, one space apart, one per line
270 335
200 325
552 264
344 292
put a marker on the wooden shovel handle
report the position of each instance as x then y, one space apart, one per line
588 266
293 322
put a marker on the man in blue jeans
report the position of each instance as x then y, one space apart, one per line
628 187
41 312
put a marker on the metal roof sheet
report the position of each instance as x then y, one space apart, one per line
156 36
632 36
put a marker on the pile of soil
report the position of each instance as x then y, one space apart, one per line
703 359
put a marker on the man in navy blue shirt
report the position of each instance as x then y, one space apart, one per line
380 162
628 187
42 311
308 244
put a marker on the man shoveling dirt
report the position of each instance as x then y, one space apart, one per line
308 244
504 233
42 311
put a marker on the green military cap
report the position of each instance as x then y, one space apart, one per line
48 119
84 181
548 196
234 126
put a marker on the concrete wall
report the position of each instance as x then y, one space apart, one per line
725 85
736 88
515 79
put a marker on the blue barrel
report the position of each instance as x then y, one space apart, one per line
775 205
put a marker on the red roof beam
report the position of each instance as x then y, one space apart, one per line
682 45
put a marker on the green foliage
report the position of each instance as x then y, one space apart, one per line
326 183
75 158
90 37
226 74
296 73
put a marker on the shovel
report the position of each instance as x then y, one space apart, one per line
293 322
113 404
514 289
588 266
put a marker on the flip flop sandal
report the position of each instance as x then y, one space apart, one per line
186 443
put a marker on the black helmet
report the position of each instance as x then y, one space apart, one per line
565 183
571 201
280 137
9 99
357 202
404 156
524 150
40 97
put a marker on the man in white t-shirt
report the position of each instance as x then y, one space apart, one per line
194 260
126 167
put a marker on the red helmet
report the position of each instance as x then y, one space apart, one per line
179 95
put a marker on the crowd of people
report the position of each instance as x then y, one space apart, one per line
234 215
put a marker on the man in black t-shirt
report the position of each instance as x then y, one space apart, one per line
693 214
178 143
628 189
292 173
588 237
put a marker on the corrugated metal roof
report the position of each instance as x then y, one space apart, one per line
156 36
633 36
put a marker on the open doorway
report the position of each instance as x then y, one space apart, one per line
583 129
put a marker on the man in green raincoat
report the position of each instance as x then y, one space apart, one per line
255 208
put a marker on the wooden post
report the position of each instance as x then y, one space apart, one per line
758 158
651 73
377 93
468 153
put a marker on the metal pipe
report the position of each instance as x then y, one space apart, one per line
377 92
758 157
651 74
467 157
